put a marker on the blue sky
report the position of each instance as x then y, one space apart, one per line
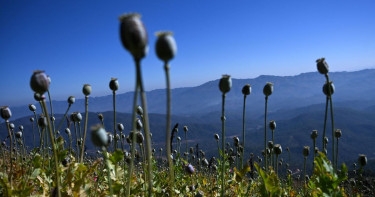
77 42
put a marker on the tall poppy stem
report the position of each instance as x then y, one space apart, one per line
222 145
168 128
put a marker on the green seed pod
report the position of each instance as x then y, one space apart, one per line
225 84
326 91
306 151
113 84
186 129
20 127
236 141
19 134
120 126
71 100
140 138
101 117
31 119
165 46
67 131
139 111
178 138
322 66
32 107
268 89
277 149
42 121
99 136
11 126
272 125
139 124
326 140
270 145
133 35
217 137
86 89
39 82
362 160
5 112
314 134
246 89
38 97
338 133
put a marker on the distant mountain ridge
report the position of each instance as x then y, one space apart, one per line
289 92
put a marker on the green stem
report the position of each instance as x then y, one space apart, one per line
114 119
168 128
325 124
52 116
85 126
52 138
337 152
243 129
10 154
265 135
222 145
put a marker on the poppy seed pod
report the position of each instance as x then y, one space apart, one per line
42 121
326 140
39 82
71 100
99 136
139 110
113 84
67 131
272 125
20 127
120 126
189 169
326 91
314 134
140 138
178 138
246 89
139 124
362 160
31 119
5 112
216 137
11 126
236 141
86 89
306 151
186 129
38 97
225 84
268 89
133 35
32 108
165 46
322 66
101 117
338 133
277 149
18 134
270 145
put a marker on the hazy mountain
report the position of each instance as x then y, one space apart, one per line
290 92
297 105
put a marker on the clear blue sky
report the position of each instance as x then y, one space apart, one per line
77 42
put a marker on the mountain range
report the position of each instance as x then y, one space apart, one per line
297 105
